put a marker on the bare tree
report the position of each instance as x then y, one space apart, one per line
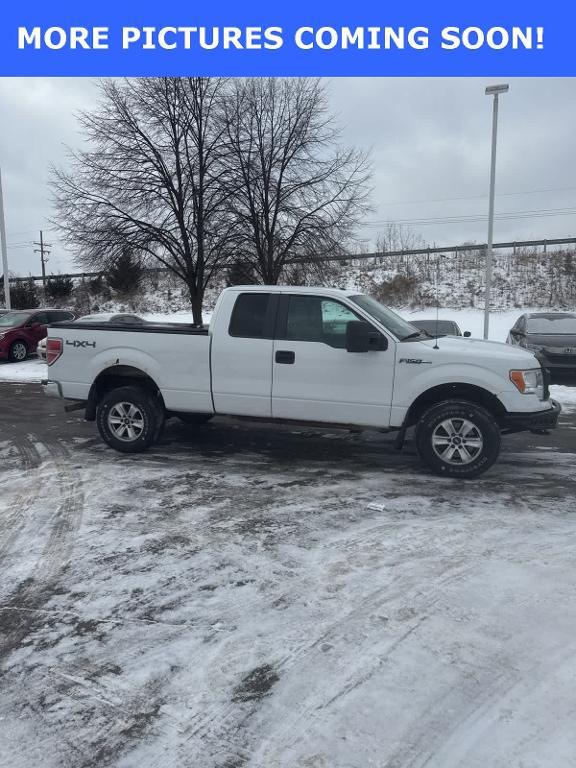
398 237
153 180
298 196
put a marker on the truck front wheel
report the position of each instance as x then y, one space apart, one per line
456 438
129 419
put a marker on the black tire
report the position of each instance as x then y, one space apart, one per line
18 351
195 419
145 427
457 438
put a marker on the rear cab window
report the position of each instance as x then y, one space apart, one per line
253 316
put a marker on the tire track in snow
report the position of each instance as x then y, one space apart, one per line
35 591
225 724
14 517
452 721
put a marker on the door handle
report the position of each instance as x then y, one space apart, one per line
285 357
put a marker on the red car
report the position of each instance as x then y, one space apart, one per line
21 330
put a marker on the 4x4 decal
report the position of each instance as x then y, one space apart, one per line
82 344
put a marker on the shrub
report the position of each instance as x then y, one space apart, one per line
23 295
59 288
399 290
125 274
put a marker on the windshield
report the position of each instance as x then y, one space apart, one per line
561 324
12 319
386 317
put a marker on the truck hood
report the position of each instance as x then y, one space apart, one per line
479 350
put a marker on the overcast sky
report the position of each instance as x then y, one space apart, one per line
430 143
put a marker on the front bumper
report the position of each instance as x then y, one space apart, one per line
548 419
51 388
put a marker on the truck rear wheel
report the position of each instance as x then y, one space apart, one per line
456 438
129 419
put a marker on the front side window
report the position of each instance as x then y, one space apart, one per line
250 316
313 318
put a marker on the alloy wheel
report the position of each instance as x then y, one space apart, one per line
457 441
19 351
126 421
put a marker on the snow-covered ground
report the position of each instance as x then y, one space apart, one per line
32 370
243 598
564 395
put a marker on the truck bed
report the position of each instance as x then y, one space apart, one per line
176 356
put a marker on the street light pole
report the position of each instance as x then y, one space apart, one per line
493 90
4 250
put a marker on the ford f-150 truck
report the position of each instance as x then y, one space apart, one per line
299 354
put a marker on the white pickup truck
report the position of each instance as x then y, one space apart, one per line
315 355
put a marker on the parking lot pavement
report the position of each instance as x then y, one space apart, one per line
249 595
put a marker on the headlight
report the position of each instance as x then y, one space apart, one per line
529 382
2 335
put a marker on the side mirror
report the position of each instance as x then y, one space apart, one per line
467 334
361 337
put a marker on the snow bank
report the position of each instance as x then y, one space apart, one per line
565 395
30 371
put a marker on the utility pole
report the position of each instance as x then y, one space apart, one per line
495 91
43 250
4 250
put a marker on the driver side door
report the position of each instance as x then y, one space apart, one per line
315 378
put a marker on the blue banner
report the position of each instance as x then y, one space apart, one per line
106 38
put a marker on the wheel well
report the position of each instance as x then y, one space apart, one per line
118 376
454 391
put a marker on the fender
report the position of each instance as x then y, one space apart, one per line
414 380
116 356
